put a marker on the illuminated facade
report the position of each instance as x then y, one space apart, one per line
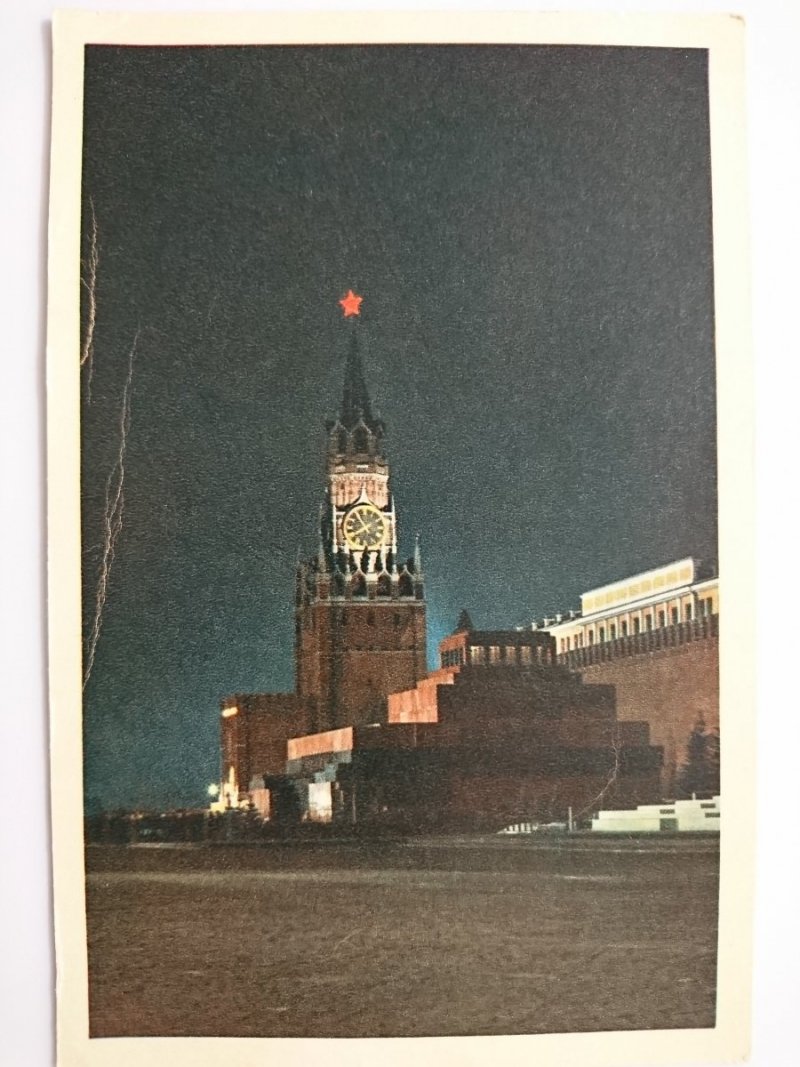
360 608
680 592
655 638
360 629
500 734
508 727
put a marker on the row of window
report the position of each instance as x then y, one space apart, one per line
361 438
453 657
397 619
510 654
383 587
704 608
320 623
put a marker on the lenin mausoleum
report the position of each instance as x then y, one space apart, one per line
513 725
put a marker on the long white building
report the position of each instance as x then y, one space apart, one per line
653 600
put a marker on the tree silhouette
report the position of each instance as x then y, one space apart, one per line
701 771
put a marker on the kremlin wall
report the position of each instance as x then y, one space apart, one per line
655 638
589 709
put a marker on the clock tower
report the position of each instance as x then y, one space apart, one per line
360 608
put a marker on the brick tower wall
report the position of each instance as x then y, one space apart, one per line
351 656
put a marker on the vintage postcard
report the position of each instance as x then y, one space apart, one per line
400 539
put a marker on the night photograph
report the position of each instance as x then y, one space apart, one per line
399 561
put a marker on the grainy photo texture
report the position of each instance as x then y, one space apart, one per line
399 547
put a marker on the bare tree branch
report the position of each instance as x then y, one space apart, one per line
112 516
90 284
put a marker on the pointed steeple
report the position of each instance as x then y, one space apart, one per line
355 398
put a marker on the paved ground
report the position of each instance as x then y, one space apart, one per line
425 938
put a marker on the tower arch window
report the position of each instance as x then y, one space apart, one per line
359 586
338 585
384 587
406 585
360 439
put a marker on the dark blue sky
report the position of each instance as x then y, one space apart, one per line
530 228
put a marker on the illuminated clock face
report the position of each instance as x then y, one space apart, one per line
364 526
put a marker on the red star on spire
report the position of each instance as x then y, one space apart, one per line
351 304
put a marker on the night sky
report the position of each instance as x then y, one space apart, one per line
530 229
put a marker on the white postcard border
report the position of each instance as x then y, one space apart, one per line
723 36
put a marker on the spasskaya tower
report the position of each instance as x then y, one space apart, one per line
360 608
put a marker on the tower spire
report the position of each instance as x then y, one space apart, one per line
355 398
356 564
